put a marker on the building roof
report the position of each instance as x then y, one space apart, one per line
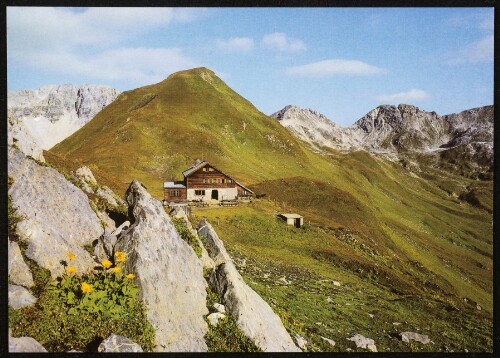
291 216
199 164
244 187
173 185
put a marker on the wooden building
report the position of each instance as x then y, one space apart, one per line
203 182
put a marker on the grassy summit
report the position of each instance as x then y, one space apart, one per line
421 243
154 132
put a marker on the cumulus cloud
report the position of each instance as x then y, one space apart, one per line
92 42
56 28
279 41
236 44
479 51
413 95
335 67
138 65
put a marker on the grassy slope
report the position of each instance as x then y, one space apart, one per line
373 282
190 118
412 235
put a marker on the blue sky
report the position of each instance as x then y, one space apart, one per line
342 62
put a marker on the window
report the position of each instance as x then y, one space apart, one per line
175 193
199 192
223 181
210 169
213 180
205 181
205 169
229 180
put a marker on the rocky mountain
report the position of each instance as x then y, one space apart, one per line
402 132
19 136
53 112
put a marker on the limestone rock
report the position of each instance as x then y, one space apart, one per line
19 297
116 343
220 308
404 132
54 112
24 344
20 136
168 272
104 248
330 341
407 336
363 342
86 178
253 315
19 273
214 318
301 341
56 215
107 194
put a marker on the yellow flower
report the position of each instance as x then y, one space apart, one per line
71 256
130 275
86 288
117 269
71 269
106 263
120 256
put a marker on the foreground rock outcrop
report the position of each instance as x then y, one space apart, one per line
56 216
18 271
253 315
168 272
20 136
25 345
116 343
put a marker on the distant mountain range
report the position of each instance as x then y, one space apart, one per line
461 142
53 112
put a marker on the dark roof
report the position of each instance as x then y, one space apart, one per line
201 163
194 167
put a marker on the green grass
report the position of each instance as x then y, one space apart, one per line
369 220
420 293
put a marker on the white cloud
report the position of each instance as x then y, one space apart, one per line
45 28
413 95
138 65
279 41
479 51
236 44
335 67
93 42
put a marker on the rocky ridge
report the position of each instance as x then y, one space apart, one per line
403 131
52 113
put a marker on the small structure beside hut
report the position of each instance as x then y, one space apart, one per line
293 219
204 183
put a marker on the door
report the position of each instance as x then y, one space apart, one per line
215 194
297 222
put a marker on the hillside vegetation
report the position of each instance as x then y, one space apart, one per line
417 246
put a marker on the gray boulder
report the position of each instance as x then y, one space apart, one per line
56 215
20 136
86 178
253 315
363 342
408 336
169 274
116 343
18 271
24 344
214 318
20 297
301 341
329 341
107 194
